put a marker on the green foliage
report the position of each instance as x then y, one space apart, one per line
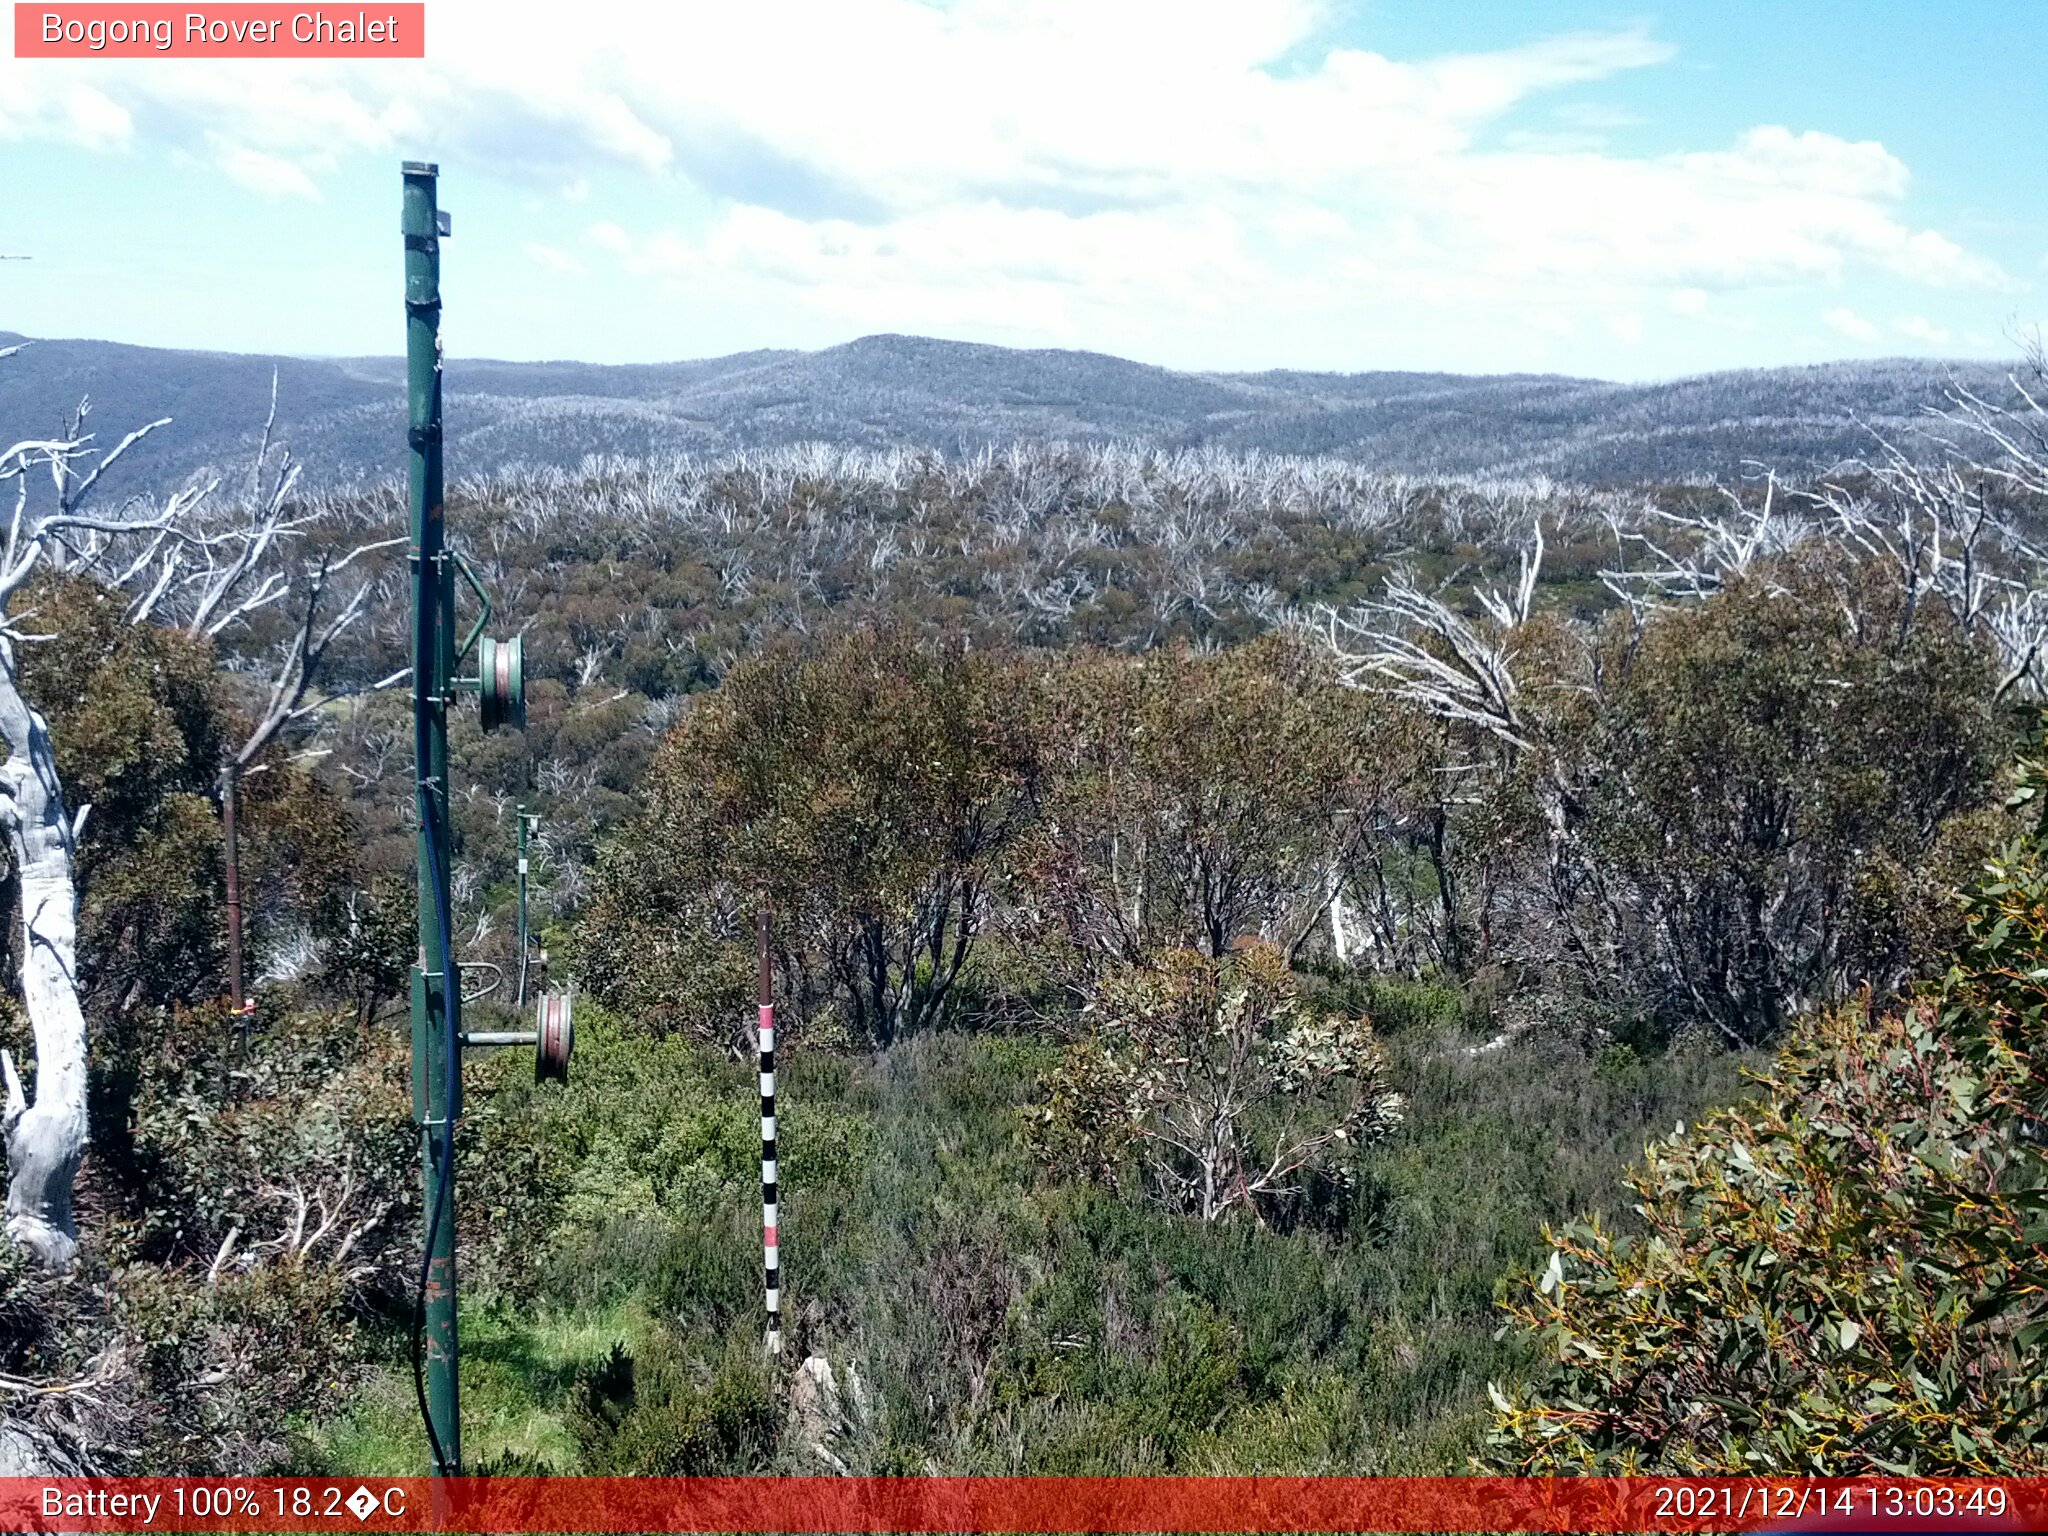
1000 1322
39 1332
1993 989
1778 793
370 955
254 1223
897 802
141 718
139 721
865 792
1194 800
1753 804
646 590
653 1416
227 1370
1231 1091
1052 1319
298 856
1842 1280
299 1148
1159 1400
1396 1004
952 832
1847 1277
648 1132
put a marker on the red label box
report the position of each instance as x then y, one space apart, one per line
1049 1505
238 31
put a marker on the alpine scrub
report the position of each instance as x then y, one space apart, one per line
1848 1276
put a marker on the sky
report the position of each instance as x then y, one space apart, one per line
1613 190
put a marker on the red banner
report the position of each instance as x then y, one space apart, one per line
102 31
1051 1504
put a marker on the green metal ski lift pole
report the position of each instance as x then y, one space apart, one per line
436 992
500 686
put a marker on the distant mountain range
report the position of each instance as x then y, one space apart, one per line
343 416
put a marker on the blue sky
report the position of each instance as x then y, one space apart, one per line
1624 191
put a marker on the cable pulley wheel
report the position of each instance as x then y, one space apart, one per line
555 1038
501 683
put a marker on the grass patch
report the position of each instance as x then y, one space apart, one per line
518 1377
998 1322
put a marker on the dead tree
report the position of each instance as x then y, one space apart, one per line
46 1137
1414 645
1467 671
250 564
1952 529
185 561
1946 519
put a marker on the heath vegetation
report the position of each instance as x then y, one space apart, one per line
1246 929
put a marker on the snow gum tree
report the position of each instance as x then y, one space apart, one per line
1194 801
868 790
46 1137
172 561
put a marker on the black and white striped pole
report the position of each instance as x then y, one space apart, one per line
770 1245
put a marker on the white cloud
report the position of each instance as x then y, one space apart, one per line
1110 167
268 174
1537 141
1847 322
67 109
1775 156
1919 328
1594 115
550 259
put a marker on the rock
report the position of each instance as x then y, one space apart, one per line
814 1400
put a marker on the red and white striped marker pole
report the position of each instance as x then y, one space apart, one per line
773 1270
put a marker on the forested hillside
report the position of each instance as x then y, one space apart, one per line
1274 957
893 392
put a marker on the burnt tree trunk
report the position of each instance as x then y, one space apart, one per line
232 865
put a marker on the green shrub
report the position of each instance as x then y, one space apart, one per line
1399 1003
662 1414
1847 1277
1228 1089
655 1131
866 792
1782 789
1192 801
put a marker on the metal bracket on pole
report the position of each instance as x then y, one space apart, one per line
553 1036
468 573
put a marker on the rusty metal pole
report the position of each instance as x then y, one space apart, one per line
231 848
